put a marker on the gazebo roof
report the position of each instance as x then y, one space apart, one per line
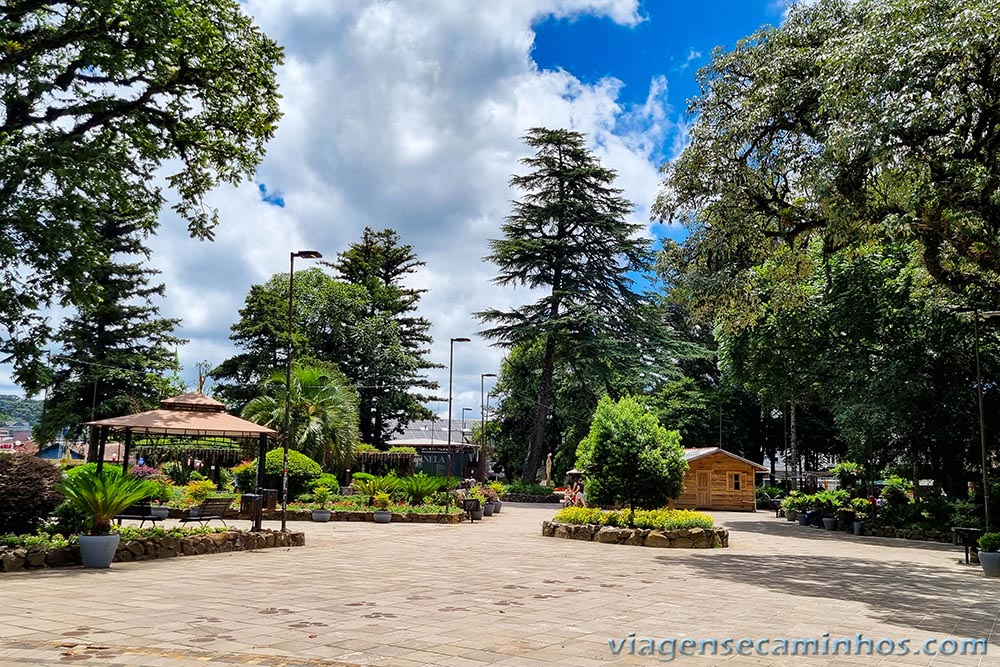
191 414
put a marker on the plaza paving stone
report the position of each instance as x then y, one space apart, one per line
498 593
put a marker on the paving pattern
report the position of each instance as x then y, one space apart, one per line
498 593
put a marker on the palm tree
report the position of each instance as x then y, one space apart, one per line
323 420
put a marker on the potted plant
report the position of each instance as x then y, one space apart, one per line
497 488
321 495
101 497
382 503
989 554
860 506
490 506
790 505
477 494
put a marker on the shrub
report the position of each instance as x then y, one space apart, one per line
828 502
331 482
895 490
491 495
146 472
27 492
301 471
382 501
361 475
199 490
847 473
177 472
795 502
989 542
91 468
364 447
966 514
658 519
402 450
528 488
70 519
196 476
376 485
499 487
418 487
629 458
321 495
765 493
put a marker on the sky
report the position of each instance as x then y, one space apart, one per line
408 114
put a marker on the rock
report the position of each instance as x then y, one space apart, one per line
135 547
680 543
548 529
582 533
218 539
200 548
637 537
562 530
609 535
298 539
10 562
657 539
187 548
35 559
58 557
693 533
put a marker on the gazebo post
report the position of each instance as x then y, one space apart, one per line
261 456
92 445
128 450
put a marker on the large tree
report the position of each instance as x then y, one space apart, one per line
391 389
568 237
116 354
95 97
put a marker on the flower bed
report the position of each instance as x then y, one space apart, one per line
455 516
681 538
661 519
531 498
35 552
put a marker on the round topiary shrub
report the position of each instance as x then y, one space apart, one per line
27 492
301 471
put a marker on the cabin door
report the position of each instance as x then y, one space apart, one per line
703 489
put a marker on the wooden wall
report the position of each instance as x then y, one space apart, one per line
709 485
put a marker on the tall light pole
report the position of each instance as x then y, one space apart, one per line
482 417
451 363
464 410
304 254
982 422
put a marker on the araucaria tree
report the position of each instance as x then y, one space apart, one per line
567 235
115 352
629 458
94 98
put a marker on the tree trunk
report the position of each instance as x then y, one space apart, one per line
534 456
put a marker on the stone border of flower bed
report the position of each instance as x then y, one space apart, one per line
13 559
683 538
339 515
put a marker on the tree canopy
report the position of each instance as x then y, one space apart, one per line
96 98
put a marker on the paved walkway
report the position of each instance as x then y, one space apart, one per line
498 593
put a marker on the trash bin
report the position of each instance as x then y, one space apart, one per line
270 498
250 504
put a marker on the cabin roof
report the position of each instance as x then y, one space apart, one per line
694 453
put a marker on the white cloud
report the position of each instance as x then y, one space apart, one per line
405 115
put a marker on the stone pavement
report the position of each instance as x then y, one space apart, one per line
498 593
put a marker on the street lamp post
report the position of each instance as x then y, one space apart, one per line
451 363
982 422
464 410
482 417
304 254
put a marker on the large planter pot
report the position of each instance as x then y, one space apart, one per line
791 514
830 523
487 509
496 506
990 560
383 516
803 519
159 512
859 528
322 516
477 514
98 550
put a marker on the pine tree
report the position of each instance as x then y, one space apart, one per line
396 354
116 349
567 235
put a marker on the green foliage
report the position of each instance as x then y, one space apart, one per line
321 495
630 459
847 473
402 450
302 470
966 514
90 468
795 501
360 476
106 96
245 474
568 235
16 408
375 486
528 488
657 519
70 519
28 492
199 490
40 539
362 447
382 501
104 495
830 501
177 472
329 481
419 487
765 493
323 413
896 490
989 542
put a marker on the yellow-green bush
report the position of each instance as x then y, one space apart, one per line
198 491
661 519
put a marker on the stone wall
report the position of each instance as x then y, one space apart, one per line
685 538
149 548
337 515
909 533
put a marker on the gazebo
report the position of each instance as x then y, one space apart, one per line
189 416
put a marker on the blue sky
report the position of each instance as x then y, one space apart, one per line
408 114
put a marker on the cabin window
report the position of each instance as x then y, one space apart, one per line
735 481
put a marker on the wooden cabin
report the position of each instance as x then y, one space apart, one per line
718 480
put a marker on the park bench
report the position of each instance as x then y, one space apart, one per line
141 511
211 509
968 538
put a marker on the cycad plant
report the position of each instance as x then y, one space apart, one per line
419 487
102 496
376 486
323 420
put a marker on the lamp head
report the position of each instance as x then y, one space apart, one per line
488 375
308 254
461 340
